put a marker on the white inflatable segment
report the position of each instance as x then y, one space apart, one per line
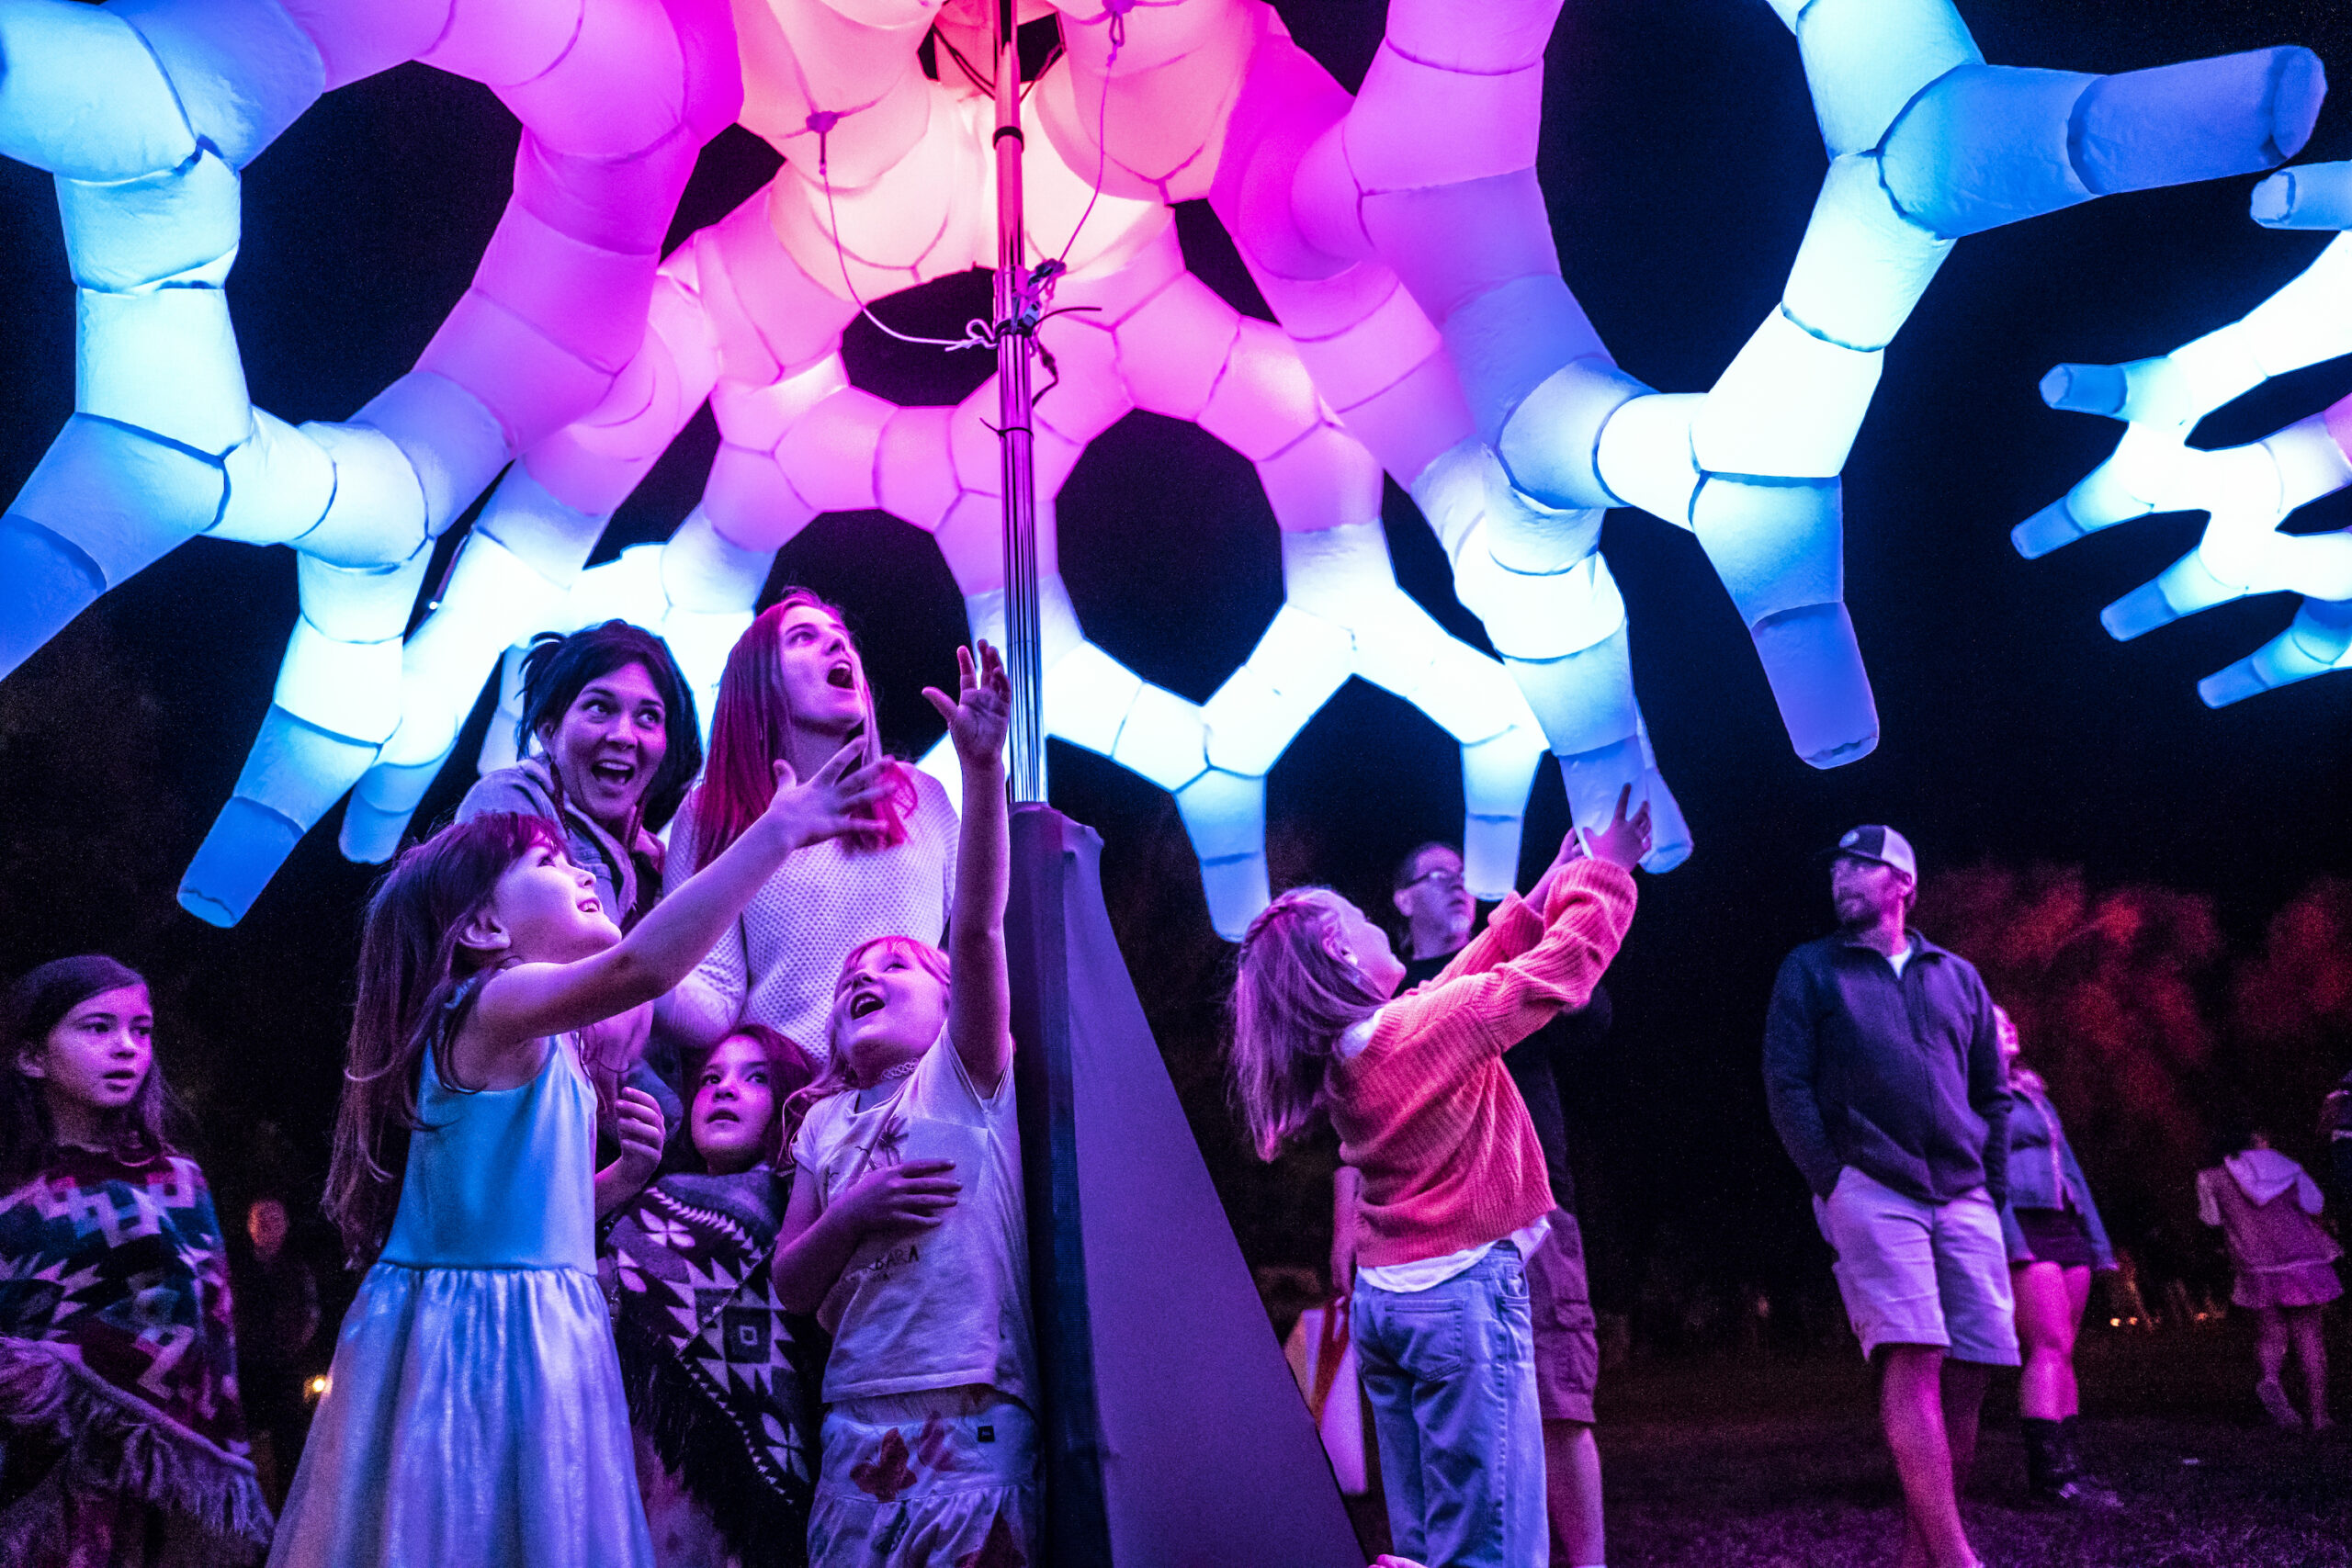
1862 265
162 360
2248 492
83 96
1787 406
2317 643
280 483
1300 660
1866 60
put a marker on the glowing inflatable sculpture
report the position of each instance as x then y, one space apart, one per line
1398 236
2247 491
145 110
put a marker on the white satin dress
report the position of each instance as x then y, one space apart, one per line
475 1415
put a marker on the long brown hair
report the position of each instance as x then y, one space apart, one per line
411 968
35 1004
751 726
1293 998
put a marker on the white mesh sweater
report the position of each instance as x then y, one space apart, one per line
778 964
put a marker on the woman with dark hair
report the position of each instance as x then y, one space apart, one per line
2055 1240
121 1438
794 691
720 1391
617 740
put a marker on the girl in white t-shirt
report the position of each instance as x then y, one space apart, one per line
905 1233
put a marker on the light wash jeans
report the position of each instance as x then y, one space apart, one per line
1451 1374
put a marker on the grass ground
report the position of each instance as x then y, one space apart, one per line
1777 1464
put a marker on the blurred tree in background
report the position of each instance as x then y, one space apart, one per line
2161 1039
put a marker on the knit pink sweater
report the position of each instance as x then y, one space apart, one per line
1427 1111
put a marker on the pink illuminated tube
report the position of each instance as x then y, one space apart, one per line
752 309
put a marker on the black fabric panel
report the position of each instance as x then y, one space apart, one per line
1186 1442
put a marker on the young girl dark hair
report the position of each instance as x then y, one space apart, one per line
789 1069
121 1438
720 1386
35 1005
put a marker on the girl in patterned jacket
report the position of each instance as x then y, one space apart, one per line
121 1439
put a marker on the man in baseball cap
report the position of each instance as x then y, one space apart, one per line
1883 1070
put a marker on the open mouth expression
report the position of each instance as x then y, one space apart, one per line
821 672
890 1000
610 743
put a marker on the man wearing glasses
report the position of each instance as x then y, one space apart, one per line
1438 912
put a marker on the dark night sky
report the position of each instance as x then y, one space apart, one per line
1681 160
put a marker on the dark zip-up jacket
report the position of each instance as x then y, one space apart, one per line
1899 1078
2044 1174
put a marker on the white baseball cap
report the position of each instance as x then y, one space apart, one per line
1882 844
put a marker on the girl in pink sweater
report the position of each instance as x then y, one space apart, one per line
1454 1192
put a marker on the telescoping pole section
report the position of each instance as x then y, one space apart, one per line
1024 656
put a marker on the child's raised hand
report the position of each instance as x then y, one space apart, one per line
912 1196
1625 841
833 801
982 710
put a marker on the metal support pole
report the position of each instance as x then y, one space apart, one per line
1015 323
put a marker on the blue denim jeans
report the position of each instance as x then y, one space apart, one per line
1451 1374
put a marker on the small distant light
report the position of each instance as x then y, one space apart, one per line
2192 1462
315 1386
2115 1322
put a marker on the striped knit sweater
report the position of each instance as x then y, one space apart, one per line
1426 1110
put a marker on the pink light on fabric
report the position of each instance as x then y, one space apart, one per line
1398 236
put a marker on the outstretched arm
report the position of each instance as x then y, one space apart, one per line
530 1001
978 1001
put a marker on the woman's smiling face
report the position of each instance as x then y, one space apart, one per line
610 743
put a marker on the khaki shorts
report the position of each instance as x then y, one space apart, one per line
1915 1273
1568 1345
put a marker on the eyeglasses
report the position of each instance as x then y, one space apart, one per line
1442 880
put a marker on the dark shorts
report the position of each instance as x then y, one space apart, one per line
2057 1236
1568 1345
